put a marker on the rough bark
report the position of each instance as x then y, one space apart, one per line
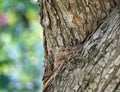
82 45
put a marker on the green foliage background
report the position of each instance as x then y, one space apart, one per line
21 50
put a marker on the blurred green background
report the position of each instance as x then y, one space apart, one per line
21 47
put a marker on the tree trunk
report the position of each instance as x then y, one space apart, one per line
82 45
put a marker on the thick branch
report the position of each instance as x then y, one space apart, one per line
68 23
95 67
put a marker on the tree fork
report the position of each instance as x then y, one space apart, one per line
67 24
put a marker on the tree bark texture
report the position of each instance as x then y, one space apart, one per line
82 45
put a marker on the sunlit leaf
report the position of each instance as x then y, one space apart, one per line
31 14
12 18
